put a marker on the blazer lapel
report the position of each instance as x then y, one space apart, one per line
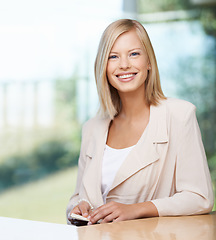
95 151
144 153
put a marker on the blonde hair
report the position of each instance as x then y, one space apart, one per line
110 102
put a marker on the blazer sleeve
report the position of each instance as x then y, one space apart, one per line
194 193
81 166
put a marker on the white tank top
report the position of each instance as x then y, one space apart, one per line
112 161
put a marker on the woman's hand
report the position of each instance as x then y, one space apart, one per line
114 212
83 209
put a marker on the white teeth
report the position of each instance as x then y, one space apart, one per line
126 76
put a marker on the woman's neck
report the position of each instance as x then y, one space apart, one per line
134 106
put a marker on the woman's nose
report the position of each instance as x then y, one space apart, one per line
124 63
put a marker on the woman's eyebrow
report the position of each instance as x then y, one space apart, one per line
135 49
113 52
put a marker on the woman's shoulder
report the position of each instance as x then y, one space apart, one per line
178 108
96 120
178 104
95 123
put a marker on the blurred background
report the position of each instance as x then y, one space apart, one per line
47 87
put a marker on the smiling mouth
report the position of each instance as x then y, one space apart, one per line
125 76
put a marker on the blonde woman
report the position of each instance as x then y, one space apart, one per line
142 155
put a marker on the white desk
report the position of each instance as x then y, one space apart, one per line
201 227
17 229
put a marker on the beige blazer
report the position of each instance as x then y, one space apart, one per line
168 167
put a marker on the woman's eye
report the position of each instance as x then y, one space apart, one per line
112 57
134 53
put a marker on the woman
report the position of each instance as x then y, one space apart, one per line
142 156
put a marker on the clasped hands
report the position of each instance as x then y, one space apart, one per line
109 212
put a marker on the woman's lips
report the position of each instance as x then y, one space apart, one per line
126 77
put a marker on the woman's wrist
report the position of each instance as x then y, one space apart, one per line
147 209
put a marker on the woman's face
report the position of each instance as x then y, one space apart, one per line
128 63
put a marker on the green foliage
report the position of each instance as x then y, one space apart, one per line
46 158
208 19
212 167
150 6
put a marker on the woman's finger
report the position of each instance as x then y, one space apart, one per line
110 217
85 209
101 213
